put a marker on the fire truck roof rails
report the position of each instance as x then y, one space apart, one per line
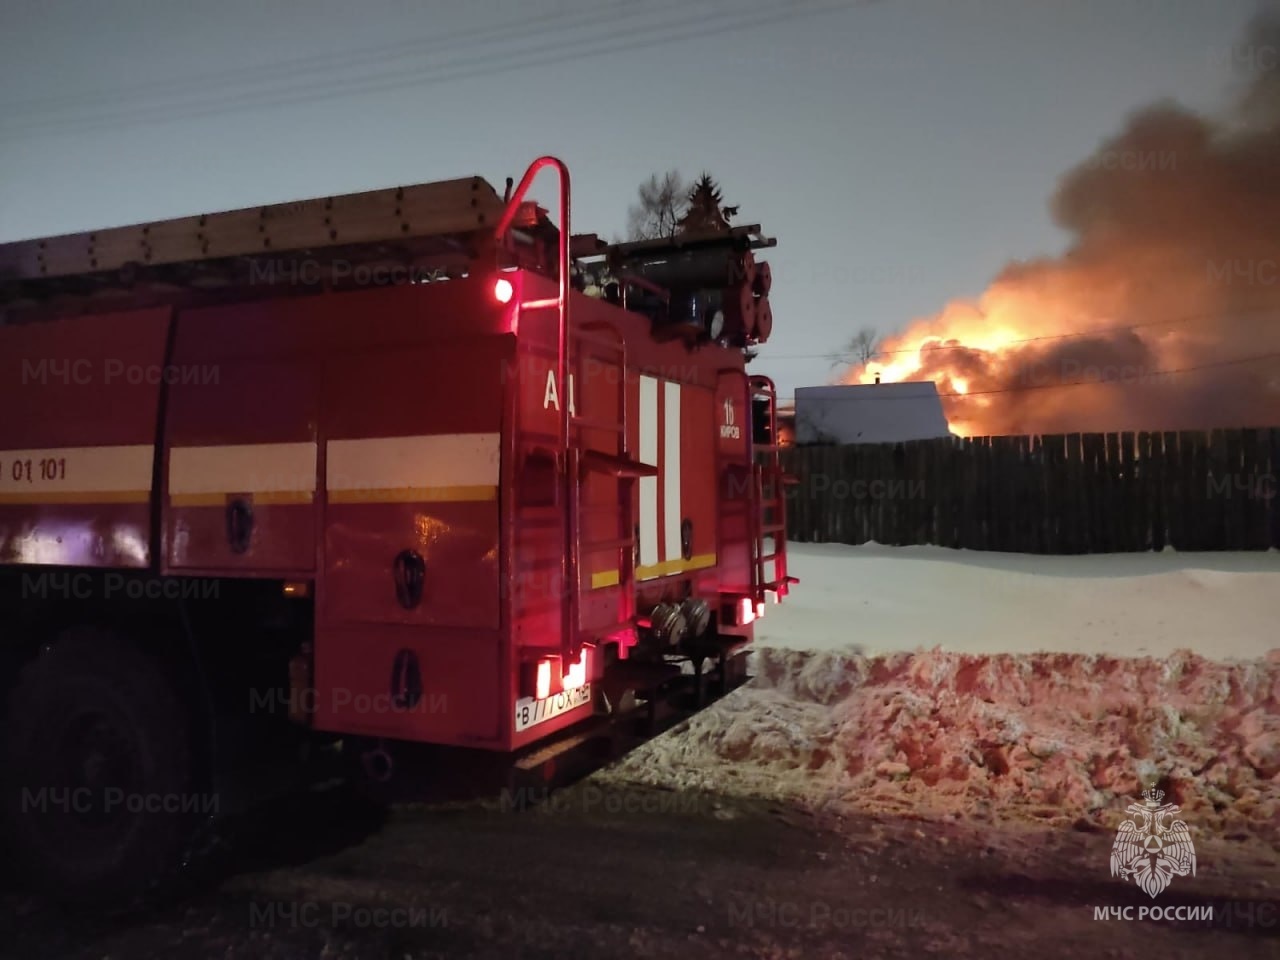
447 225
589 246
746 237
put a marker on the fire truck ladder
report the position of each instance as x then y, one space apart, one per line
573 460
619 464
769 485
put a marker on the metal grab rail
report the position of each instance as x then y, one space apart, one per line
569 555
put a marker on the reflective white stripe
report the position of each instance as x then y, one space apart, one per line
671 469
77 474
257 468
648 485
441 462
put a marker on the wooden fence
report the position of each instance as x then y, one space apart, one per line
1078 493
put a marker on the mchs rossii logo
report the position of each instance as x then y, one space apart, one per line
1152 849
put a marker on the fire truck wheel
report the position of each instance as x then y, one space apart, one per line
99 795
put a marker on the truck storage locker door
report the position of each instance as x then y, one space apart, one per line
412 462
733 458
77 438
675 509
412 468
241 442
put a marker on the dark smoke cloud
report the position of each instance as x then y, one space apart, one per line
1177 218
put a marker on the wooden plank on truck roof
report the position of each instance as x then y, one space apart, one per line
461 206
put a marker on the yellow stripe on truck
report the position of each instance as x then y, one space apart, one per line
605 578
415 495
77 497
265 498
666 568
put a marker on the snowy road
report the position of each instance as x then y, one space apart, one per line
884 599
634 873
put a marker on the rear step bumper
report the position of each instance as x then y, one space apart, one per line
584 748
433 774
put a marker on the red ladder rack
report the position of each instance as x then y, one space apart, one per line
769 485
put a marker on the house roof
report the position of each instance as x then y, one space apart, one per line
870 413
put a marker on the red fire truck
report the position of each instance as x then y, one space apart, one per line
407 467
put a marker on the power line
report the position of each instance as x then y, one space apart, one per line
324 62
1236 361
325 66
929 348
717 22
557 51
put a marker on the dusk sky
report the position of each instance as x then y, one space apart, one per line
901 151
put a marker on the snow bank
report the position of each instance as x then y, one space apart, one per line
885 599
918 679
1049 736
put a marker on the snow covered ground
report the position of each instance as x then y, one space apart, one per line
884 599
941 683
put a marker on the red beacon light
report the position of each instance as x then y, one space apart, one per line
503 290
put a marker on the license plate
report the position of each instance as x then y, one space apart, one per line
530 712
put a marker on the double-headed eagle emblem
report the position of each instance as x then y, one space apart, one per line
1150 850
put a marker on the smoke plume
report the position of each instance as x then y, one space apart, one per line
1163 314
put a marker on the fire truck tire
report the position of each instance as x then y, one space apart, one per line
99 797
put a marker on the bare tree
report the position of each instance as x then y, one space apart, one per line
860 349
864 345
661 205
